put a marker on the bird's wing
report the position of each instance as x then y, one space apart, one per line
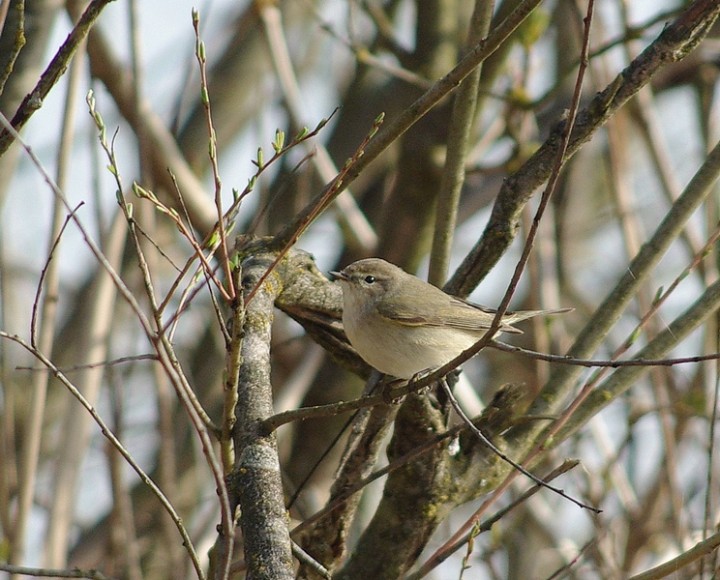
452 312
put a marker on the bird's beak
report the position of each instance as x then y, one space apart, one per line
340 276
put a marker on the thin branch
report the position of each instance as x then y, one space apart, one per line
440 556
158 337
614 364
110 436
44 315
45 271
309 562
105 363
364 55
480 435
361 233
607 313
622 379
404 121
685 559
675 41
54 573
558 163
213 154
358 486
329 193
166 355
403 388
711 447
57 67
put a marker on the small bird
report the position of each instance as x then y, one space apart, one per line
401 325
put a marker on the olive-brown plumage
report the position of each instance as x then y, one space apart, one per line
401 325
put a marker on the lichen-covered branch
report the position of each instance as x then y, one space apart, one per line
255 482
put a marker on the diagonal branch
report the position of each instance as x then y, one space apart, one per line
672 45
56 69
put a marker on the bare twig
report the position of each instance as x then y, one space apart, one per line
636 362
42 330
559 162
288 238
675 41
212 138
57 67
110 436
480 435
411 115
360 232
439 557
46 270
52 573
685 559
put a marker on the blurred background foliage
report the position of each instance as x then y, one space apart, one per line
67 499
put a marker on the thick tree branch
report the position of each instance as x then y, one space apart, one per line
673 44
255 482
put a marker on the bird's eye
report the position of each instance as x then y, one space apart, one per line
369 279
